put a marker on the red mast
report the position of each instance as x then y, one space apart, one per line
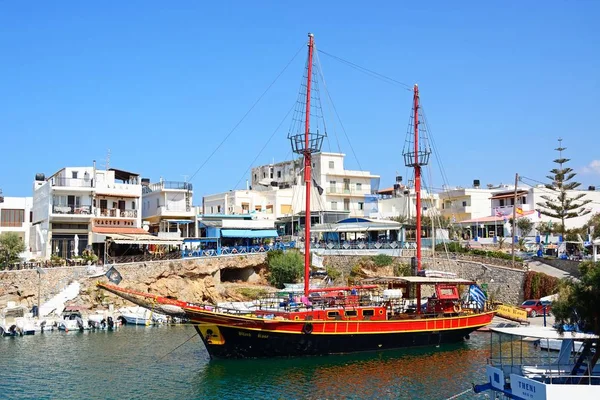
417 176
307 167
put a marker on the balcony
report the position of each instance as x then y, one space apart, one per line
345 192
115 213
175 209
168 185
71 182
72 210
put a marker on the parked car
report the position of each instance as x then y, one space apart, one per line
536 307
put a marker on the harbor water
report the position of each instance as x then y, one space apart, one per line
170 362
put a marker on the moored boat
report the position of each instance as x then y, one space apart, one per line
515 371
380 314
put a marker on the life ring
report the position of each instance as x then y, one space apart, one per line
456 308
307 328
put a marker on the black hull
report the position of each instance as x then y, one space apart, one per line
242 343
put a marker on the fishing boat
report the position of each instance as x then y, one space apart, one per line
380 314
515 370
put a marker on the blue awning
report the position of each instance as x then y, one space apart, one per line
249 233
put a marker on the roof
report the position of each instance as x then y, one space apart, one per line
123 175
495 218
417 279
540 332
249 233
508 195
119 230
357 225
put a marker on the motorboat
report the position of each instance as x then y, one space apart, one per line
519 370
9 317
140 316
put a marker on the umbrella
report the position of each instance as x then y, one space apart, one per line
76 246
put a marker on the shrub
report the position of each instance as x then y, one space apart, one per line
401 269
252 293
451 247
538 284
382 260
333 273
285 267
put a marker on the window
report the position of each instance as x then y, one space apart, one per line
512 201
524 200
271 174
361 205
74 174
332 186
346 185
211 209
218 209
502 203
133 205
279 174
334 205
264 174
464 203
12 217
443 206
368 313
346 204
358 187
331 165
332 314
351 313
255 176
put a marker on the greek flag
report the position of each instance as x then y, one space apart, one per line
477 295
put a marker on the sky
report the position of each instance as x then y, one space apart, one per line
159 85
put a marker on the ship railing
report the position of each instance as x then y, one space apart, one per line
542 370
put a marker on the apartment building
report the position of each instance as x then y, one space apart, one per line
15 216
167 209
79 207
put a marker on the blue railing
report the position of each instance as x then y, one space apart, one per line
234 250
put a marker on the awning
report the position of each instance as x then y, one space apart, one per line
144 239
249 233
178 221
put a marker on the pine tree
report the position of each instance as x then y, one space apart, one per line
561 205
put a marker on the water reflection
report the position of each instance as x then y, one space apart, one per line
425 373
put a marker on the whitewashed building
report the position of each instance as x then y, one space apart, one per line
15 216
167 209
80 206
338 190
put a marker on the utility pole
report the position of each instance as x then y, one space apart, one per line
514 221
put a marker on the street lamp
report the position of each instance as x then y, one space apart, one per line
40 272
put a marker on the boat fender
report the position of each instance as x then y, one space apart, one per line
457 308
307 328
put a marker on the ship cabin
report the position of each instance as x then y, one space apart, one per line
383 298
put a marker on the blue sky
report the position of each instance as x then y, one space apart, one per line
160 85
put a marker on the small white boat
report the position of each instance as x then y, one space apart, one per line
515 371
556 345
72 321
140 316
9 317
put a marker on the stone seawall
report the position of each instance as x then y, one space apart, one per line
195 280
504 284
568 266
199 280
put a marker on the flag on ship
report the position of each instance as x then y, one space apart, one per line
114 276
477 295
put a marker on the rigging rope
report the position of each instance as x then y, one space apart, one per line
264 147
172 351
459 394
247 113
368 71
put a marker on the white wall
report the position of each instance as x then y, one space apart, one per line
25 204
